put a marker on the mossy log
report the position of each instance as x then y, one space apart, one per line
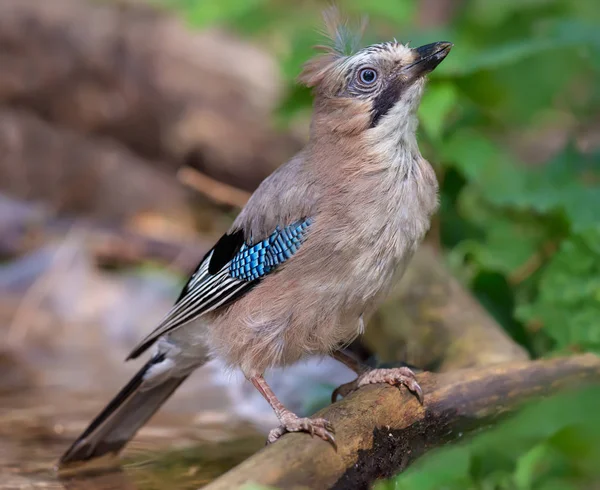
432 321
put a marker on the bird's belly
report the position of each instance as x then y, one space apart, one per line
283 320
256 335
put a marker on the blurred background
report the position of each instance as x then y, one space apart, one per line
131 132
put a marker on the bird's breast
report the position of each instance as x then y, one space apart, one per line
384 228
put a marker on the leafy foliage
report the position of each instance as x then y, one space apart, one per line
510 120
522 454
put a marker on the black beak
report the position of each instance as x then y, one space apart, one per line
427 58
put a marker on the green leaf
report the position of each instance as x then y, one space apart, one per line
549 444
483 163
568 302
508 245
493 13
454 467
468 58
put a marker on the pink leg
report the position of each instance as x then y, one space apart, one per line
350 362
290 422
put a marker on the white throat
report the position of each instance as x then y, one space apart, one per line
394 138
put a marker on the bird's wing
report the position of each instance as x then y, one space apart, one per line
229 270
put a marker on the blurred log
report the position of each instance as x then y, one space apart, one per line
140 76
73 174
118 248
111 246
380 430
431 321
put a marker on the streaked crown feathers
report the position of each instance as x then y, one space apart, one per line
329 69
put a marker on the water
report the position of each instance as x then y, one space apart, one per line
177 450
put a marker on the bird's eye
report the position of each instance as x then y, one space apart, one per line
367 76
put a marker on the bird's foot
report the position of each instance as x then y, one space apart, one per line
292 423
395 377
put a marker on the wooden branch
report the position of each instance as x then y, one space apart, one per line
380 430
213 189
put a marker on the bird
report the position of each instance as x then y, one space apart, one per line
313 252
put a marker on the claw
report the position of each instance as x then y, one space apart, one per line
395 377
291 423
274 435
344 390
418 392
331 440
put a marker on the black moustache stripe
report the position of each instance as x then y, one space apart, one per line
383 103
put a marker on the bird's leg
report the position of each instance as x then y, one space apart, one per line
290 422
349 361
395 377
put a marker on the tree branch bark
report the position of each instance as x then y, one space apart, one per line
380 429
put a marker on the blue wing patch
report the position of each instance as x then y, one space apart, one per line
255 261
228 271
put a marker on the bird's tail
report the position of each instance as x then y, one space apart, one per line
122 417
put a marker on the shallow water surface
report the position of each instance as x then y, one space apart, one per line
175 451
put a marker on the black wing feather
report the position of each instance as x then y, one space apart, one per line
220 255
208 288
224 250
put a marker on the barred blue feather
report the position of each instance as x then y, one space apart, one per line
255 261
228 271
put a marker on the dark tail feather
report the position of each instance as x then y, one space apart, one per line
122 417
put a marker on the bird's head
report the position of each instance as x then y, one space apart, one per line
377 86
